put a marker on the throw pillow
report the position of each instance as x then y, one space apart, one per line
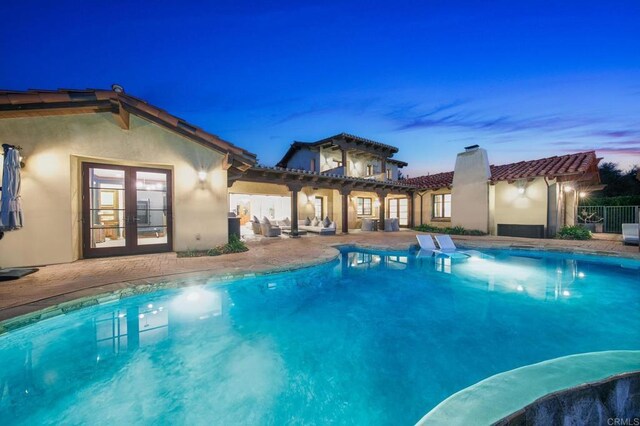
307 221
326 222
286 221
315 222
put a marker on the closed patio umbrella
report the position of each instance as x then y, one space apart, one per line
10 206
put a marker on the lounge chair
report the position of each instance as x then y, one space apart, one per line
630 233
449 249
427 246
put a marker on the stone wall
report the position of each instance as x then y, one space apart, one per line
614 401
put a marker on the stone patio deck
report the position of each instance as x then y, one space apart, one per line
56 285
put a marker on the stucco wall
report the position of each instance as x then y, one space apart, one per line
54 148
301 160
427 209
470 192
512 207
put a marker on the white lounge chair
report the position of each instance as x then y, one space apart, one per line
449 249
630 233
427 246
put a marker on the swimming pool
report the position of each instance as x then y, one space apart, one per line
373 338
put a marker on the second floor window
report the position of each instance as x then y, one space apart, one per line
389 174
363 206
369 170
312 166
442 206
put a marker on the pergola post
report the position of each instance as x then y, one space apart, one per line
294 188
345 172
382 195
345 209
411 213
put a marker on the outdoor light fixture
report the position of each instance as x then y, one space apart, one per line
521 190
583 194
202 176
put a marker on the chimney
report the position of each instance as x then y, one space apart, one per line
470 193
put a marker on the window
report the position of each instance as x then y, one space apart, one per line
363 206
442 206
312 166
318 204
338 163
369 170
389 174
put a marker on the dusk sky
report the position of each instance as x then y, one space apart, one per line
523 79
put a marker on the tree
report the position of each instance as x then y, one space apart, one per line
619 182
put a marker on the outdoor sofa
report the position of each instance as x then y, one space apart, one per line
315 225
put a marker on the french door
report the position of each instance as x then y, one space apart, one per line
399 208
125 210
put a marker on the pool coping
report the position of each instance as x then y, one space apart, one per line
186 279
503 395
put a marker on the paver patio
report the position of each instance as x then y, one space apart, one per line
56 284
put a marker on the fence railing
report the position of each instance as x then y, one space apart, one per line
607 218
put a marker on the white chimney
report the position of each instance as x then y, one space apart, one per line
470 193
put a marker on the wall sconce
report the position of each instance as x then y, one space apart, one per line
583 194
521 190
202 176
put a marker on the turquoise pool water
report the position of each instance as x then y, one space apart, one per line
370 339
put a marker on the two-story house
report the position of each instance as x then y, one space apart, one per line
345 155
344 177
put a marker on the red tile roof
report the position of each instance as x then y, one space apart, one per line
551 167
435 181
36 102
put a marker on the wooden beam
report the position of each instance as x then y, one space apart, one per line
121 116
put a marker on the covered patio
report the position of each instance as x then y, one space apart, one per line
348 201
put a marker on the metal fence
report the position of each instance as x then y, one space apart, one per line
607 218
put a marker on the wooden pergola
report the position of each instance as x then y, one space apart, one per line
295 180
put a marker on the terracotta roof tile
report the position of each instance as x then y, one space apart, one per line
435 181
570 164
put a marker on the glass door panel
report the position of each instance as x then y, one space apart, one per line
107 205
403 214
125 210
151 208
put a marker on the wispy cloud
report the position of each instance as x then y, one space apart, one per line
458 114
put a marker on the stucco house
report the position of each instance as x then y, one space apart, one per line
528 198
107 174
344 177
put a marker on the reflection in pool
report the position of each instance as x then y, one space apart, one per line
371 339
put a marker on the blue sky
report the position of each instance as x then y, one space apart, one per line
523 79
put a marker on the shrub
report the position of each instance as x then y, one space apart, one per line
456 230
574 233
235 245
